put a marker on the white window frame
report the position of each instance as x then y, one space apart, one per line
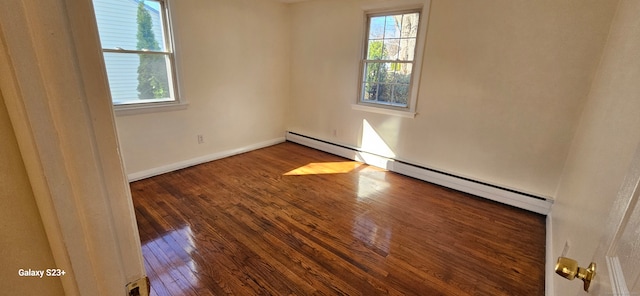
175 102
422 7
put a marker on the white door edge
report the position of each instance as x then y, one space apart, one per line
616 277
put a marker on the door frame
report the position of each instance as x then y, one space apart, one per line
53 80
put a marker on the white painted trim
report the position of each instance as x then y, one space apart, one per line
488 192
616 277
395 5
550 263
199 160
133 109
53 81
462 184
382 110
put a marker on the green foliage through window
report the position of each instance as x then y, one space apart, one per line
389 59
153 82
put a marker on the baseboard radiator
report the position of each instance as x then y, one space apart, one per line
514 198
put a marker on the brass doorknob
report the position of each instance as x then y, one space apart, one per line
569 269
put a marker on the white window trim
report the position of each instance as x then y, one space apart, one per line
159 106
378 8
141 108
382 109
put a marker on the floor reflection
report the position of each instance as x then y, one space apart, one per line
373 234
173 251
368 227
372 183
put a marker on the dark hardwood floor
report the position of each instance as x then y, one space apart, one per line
289 220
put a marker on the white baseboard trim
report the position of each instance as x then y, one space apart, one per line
199 160
517 199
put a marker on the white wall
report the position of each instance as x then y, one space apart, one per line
503 85
233 70
603 146
502 88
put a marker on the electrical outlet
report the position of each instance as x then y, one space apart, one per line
141 287
200 139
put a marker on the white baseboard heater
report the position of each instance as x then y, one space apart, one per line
514 198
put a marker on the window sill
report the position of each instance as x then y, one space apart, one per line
382 110
123 110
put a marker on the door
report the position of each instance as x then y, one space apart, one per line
618 252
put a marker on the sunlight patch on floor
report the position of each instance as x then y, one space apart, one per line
317 168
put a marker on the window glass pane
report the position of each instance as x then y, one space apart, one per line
387 83
402 80
410 25
401 94
392 26
369 92
384 93
386 73
407 49
376 27
387 80
126 24
138 78
375 72
390 49
375 50
402 72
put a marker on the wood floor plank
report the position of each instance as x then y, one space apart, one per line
290 220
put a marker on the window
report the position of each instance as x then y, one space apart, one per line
137 51
391 61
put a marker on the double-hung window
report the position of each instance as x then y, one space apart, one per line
138 52
391 61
